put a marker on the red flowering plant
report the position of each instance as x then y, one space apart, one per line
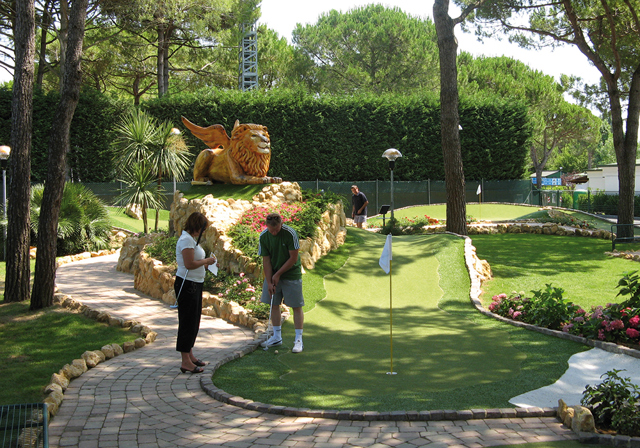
546 308
303 217
612 323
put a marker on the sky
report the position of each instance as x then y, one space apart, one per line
283 15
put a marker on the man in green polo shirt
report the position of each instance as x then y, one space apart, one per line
279 246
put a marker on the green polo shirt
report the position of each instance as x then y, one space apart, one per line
277 248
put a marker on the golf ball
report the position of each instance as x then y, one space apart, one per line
276 352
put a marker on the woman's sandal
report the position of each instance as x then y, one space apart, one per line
196 369
200 363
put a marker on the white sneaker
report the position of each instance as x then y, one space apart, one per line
297 346
272 341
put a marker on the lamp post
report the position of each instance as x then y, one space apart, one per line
391 155
4 155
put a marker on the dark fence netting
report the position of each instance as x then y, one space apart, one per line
427 192
405 194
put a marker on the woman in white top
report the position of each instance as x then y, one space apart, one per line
191 269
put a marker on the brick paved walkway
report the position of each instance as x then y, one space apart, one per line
140 399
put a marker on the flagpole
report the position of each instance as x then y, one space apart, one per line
391 311
391 372
385 263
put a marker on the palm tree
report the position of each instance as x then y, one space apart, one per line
159 149
170 157
140 189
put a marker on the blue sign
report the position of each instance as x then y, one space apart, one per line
548 181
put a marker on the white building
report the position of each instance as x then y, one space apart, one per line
605 178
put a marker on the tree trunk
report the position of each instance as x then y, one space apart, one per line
44 280
42 56
165 73
144 217
449 119
63 38
158 208
18 226
160 62
625 151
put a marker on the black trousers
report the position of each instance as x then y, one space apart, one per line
189 312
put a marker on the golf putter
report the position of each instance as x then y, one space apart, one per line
270 324
175 305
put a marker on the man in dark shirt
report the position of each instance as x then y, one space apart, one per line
360 202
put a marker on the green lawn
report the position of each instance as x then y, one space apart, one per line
223 191
42 342
526 262
120 219
490 212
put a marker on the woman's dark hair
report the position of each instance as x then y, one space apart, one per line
196 222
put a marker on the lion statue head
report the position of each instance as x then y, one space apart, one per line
251 148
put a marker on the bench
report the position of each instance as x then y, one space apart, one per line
615 239
24 425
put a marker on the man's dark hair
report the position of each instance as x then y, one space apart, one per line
273 219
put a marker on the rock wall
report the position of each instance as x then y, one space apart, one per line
152 278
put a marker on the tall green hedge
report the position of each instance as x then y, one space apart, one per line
329 137
343 138
92 130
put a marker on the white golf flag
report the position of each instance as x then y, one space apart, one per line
385 258
479 190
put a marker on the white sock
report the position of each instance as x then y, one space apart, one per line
277 331
298 334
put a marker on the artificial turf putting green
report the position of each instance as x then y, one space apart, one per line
461 358
347 335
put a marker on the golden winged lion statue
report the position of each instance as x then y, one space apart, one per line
240 159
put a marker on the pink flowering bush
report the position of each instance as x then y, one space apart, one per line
239 289
546 308
618 323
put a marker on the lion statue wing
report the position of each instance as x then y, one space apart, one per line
213 136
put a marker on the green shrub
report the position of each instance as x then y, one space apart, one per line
614 403
630 286
565 219
83 223
163 248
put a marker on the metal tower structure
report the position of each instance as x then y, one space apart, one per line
248 78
